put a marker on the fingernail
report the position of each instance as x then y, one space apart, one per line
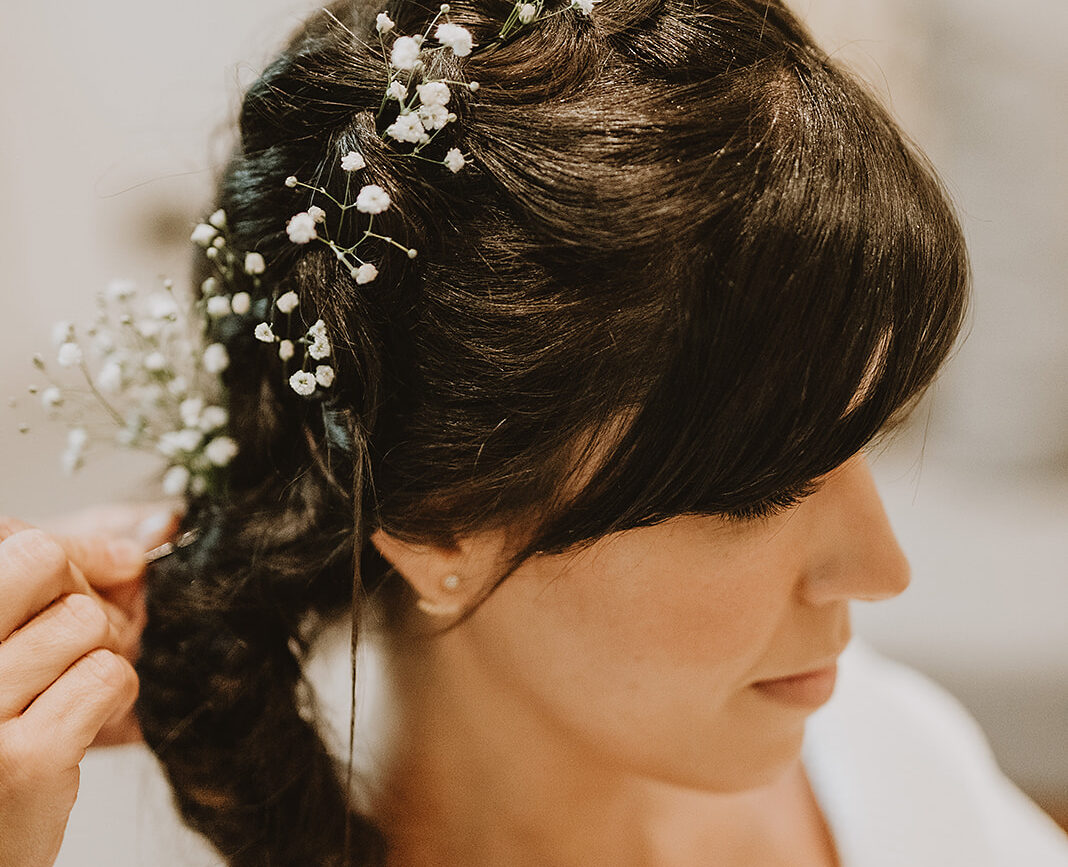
127 555
150 530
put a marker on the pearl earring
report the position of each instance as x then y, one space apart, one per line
451 582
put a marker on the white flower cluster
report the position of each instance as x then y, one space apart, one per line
146 370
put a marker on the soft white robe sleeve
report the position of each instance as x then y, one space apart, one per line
905 776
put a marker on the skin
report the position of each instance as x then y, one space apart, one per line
600 706
69 631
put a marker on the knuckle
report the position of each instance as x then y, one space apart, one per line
40 552
86 618
109 668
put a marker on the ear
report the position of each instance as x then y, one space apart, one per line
447 580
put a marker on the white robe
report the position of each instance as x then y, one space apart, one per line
901 771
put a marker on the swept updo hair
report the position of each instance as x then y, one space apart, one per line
692 267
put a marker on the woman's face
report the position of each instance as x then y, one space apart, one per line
646 647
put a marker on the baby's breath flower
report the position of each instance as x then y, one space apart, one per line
286 350
62 332
175 481
176 442
120 290
254 264
74 456
178 386
70 355
454 160
209 287
218 219
365 273
473 86
301 228
155 362
212 253
220 451
219 305
397 91
372 199
213 418
527 12
433 93
583 6
51 398
288 302
216 358
219 242
317 214
324 375
241 303
291 181
190 410
203 234
433 116
383 24
303 383
455 37
405 53
407 127
353 161
263 332
110 378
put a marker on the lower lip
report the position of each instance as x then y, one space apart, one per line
806 690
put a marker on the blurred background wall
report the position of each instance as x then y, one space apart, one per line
118 113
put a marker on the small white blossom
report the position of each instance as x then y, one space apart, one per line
365 273
302 382
241 303
213 418
383 24
352 161
434 93
198 486
209 287
433 116
254 263
219 305
203 234
175 481
324 375
70 355
216 358
455 37
405 53
301 228
148 328
527 12
372 199
454 160
291 181
319 349
263 332
110 378
218 219
175 442
220 451
120 290
51 398
77 440
317 214
396 91
190 410
583 6
288 302
162 306
286 350
407 127
473 86
155 362
62 332
178 386
211 253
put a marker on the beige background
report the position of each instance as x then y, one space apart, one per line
117 114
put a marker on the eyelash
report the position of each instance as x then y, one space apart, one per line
769 507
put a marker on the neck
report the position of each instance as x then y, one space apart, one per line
476 776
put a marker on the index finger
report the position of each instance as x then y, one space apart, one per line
34 572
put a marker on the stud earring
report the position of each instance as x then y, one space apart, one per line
450 584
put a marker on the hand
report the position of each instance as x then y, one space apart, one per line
64 676
118 585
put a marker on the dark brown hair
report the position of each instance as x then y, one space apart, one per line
679 215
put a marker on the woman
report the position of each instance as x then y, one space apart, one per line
595 450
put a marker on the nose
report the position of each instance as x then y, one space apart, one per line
854 553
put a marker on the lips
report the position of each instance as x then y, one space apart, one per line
808 689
